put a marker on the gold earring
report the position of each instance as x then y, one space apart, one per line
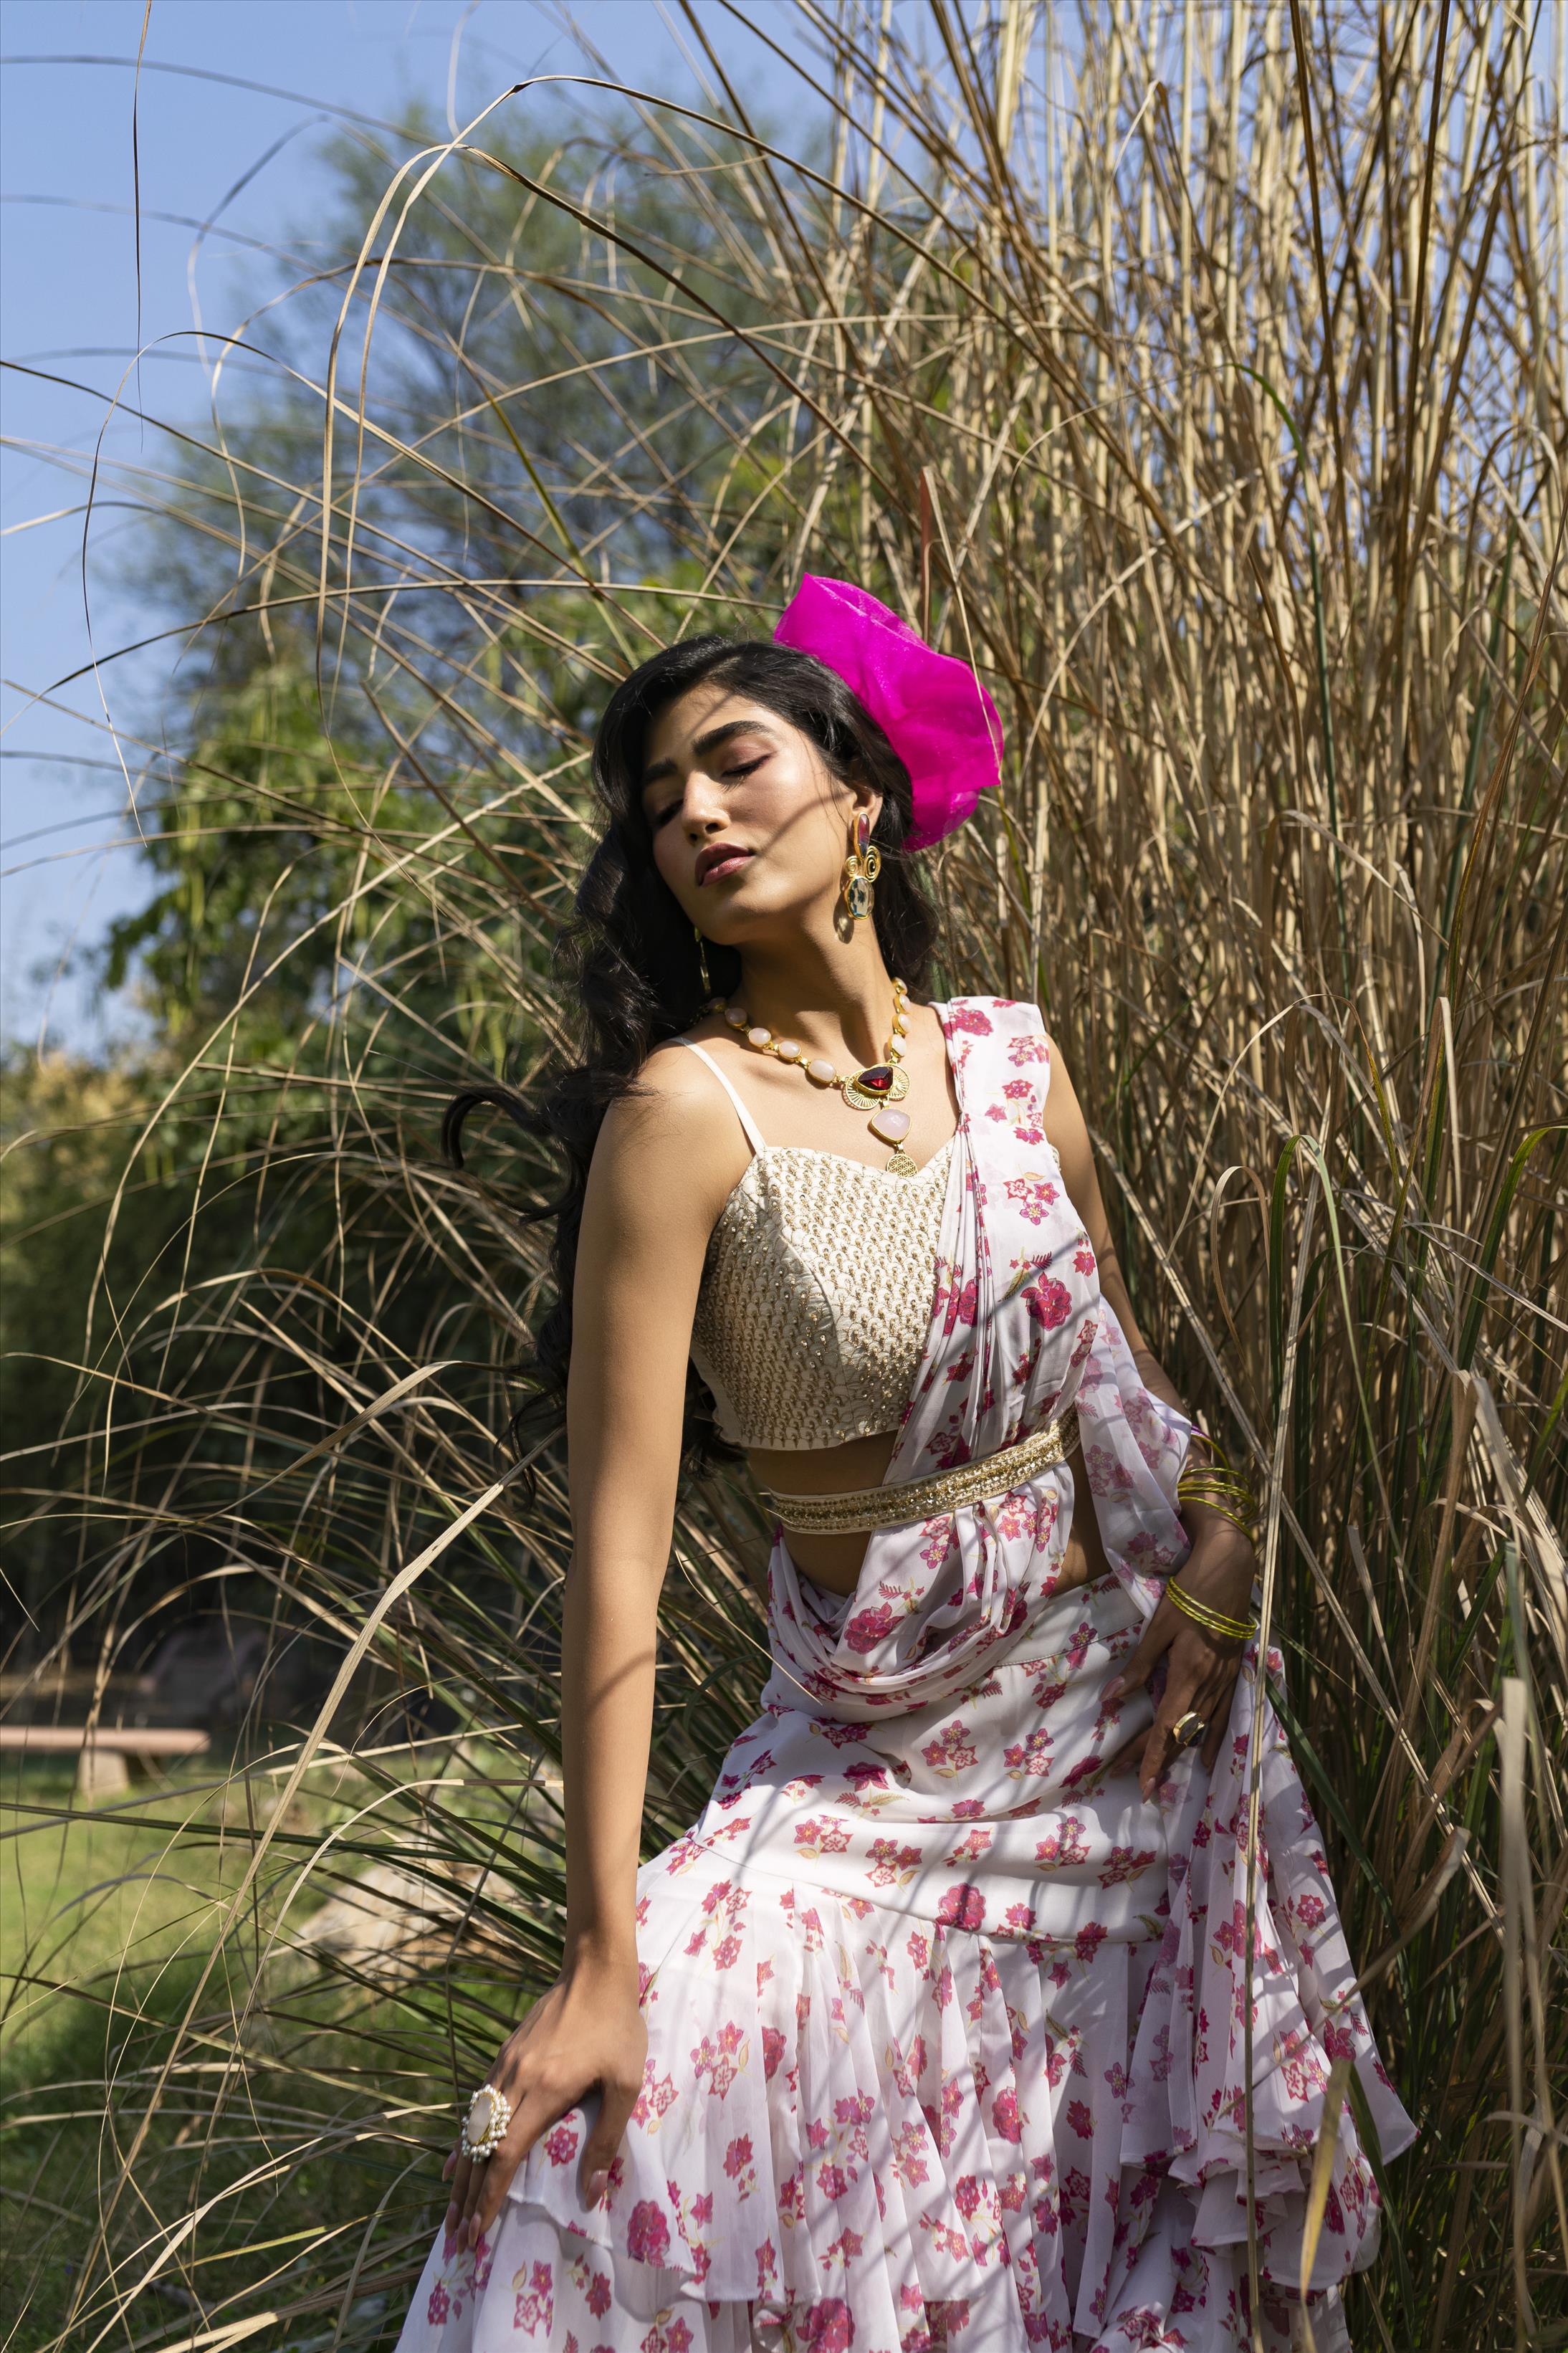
862 869
708 991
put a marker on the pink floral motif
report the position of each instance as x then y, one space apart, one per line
962 1908
819 1834
1049 1303
892 1865
535 2306
1034 1197
1125 1862
1065 1846
647 2233
951 1750
867 1628
720 2058
1004 2118
825 2327
1030 1756
653 2101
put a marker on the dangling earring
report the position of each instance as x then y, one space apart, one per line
862 869
711 1000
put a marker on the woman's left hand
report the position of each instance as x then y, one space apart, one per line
1201 1669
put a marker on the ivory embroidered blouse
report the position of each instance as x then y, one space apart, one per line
817 1292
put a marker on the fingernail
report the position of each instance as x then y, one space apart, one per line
597 2183
1112 1690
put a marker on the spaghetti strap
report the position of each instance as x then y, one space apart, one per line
753 1135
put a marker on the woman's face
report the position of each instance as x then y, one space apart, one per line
749 826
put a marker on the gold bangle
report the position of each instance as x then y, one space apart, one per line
1213 1622
1220 1499
1224 1499
1241 1509
1223 1482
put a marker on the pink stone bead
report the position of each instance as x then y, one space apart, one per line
758 1036
788 1050
823 1073
892 1126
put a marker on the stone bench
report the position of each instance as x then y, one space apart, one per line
107 1752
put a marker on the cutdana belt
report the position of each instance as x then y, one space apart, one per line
927 1499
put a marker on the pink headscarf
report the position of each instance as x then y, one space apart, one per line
934 710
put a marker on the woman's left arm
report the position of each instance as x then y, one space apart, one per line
1201 1668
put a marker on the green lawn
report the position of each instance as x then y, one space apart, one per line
105 1923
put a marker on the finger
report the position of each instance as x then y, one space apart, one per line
457 2205
468 2205
1137 1670
1218 1713
1121 1759
497 2181
532 2116
1181 1698
615 2107
1209 1700
1155 1760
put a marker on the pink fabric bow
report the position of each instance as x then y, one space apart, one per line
934 710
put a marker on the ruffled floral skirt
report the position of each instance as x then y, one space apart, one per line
864 2130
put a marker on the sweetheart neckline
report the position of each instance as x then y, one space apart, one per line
816 1151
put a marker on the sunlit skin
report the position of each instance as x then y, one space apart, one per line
750 830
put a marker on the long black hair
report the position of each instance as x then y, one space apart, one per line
629 959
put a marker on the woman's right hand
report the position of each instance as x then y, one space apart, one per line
586 2033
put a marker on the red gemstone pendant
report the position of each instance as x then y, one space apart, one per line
884 1082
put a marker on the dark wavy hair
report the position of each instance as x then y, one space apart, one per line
629 958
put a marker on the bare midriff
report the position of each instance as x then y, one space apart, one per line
834 1561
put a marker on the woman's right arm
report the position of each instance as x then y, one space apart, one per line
660 1173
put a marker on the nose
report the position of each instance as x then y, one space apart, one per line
702 811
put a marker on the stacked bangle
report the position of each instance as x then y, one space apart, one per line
1219 1487
1213 1622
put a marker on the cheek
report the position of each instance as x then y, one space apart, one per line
667 855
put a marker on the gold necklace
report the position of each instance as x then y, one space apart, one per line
875 1089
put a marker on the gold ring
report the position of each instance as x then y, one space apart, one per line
1188 1729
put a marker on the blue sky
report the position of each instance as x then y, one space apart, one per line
68 310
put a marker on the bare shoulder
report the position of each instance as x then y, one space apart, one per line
673 1145
1063 1117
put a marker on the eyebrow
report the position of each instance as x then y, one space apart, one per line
708 742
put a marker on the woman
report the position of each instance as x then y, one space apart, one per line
929 2033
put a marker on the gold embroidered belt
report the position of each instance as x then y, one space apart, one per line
927 1499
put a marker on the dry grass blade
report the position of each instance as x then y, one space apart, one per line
1202 374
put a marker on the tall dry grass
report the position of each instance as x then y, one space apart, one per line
1200 373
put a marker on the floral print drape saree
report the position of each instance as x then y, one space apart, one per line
947 2024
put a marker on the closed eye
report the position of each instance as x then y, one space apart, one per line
733 773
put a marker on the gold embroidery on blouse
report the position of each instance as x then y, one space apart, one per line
815 1297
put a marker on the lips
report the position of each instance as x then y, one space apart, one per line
720 858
